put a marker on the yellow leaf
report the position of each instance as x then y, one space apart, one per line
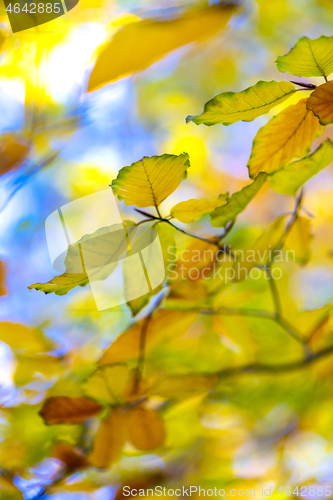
288 135
191 210
140 44
236 203
147 182
110 439
308 58
23 337
299 239
290 178
65 410
145 428
182 386
320 102
29 366
108 384
231 107
162 326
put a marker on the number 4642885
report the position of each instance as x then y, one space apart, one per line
31 8
305 491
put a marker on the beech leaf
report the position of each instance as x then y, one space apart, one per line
192 210
236 203
145 428
308 58
147 182
286 136
291 178
320 103
66 410
231 107
109 440
139 44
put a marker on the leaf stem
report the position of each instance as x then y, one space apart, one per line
190 234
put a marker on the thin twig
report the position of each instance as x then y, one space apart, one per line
274 293
142 349
192 235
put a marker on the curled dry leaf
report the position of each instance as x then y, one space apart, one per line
66 410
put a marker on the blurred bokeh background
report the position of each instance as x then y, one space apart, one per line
258 430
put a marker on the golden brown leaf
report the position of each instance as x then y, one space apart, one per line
12 152
145 428
320 103
110 439
65 410
3 282
72 456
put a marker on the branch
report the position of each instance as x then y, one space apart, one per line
262 368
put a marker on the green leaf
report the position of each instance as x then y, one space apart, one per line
147 182
191 210
236 203
308 58
231 107
291 178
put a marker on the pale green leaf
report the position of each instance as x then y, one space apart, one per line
291 178
231 107
236 203
308 58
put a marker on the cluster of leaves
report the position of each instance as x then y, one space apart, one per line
128 391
